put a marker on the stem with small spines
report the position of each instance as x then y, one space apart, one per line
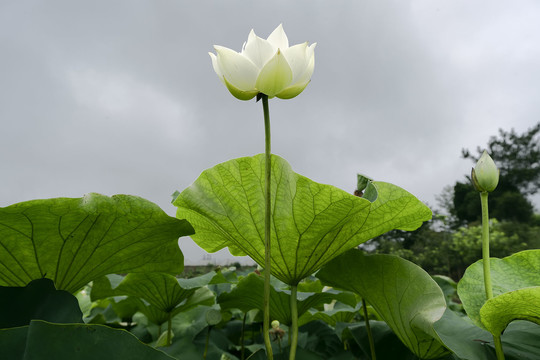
368 329
293 331
486 264
169 329
267 218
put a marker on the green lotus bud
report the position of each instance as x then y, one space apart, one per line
275 324
213 317
485 175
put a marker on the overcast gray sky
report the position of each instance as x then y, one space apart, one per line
120 96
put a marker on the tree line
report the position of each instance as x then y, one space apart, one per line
450 242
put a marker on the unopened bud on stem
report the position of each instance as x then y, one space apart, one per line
485 175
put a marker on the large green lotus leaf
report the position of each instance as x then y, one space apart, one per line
461 336
164 293
513 272
159 289
521 339
321 340
37 300
12 342
339 314
311 223
403 294
186 325
387 344
105 286
248 295
522 304
311 286
73 241
201 296
125 308
44 340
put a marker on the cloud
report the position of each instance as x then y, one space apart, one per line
131 104
121 97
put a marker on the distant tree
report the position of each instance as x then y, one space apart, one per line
510 205
465 204
518 158
447 245
442 251
465 245
427 242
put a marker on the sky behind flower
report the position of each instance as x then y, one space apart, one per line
120 97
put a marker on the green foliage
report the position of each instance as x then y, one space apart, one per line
66 243
74 241
336 313
322 342
334 331
387 344
510 205
465 204
462 337
248 294
163 294
514 272
213 317
449 288
469 342
443 251
404 295
466 245
314 222
518 158
37 300
43 340
522 304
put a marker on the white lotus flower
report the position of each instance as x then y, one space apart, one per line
266 66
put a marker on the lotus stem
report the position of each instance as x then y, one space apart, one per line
293 331
486 263
242 337
368 329
207 341
485 245
267 239
169 330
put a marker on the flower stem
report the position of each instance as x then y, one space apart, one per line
368 329
242 337
293 331
486 263
267 209
207 341
169 329
485 245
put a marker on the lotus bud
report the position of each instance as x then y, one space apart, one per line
485 175
275 324
213 317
